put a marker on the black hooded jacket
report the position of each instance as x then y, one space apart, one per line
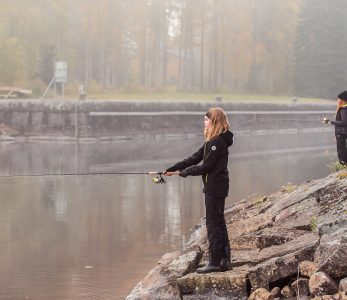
214 167
341 121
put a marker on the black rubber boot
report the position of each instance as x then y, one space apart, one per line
213 265
225 264
209 268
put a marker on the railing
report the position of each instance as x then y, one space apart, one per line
13 92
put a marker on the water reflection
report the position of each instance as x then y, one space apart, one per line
95 237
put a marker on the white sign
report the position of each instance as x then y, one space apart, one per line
60 71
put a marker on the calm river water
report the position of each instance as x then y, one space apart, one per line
95 237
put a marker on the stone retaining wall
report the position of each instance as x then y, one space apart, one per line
106 119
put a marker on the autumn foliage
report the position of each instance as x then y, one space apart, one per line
233 46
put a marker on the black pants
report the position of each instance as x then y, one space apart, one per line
217 233
341 145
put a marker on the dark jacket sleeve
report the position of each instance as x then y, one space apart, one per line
190 161
343 122
212 152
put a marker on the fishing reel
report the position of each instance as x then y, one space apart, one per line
326 121
159 179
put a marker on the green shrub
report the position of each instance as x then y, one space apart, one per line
288 188
257 199
336 166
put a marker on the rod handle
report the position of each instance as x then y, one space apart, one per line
161 173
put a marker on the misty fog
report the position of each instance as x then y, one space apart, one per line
95 237
278 47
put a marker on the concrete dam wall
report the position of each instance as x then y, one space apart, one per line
112 120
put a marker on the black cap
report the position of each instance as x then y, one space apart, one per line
343 96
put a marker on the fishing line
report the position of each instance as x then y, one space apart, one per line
82 174
253 121
297 120
282 119
158 179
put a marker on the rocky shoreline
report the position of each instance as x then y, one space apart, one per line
292 243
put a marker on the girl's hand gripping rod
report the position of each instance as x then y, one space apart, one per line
159 178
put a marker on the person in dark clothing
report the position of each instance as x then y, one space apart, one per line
214 171
340 127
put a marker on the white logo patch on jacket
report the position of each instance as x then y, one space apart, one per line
213 148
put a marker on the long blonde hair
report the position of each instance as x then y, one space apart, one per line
219 123
340 105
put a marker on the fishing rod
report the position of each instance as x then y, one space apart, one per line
157 179
285 119
248 122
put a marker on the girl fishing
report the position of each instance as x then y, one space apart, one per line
215 177
340 127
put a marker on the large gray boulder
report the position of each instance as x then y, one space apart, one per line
226 285
300 287
335 257
322 284
161 282
343 286
276 239
308 268
260 294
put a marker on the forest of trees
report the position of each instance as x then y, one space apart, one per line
275 47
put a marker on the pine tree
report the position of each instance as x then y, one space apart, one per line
46 63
